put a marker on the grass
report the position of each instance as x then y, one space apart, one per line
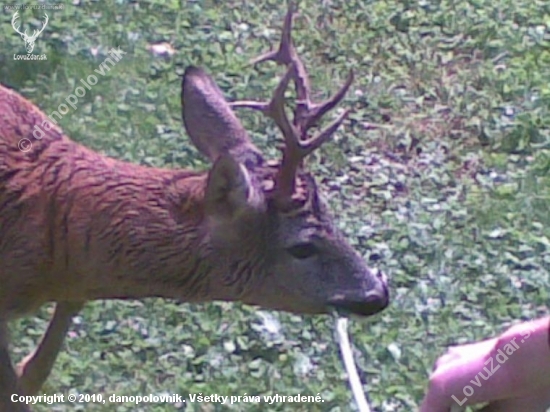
441 177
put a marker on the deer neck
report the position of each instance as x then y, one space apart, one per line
128 231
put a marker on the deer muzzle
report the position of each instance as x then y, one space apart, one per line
364 303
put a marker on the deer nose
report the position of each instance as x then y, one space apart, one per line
373 301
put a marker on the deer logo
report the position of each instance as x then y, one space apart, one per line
29 40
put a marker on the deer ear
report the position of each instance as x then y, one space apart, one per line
209 121
230 190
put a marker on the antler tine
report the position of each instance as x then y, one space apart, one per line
275 107
37 32
324 135
283 55
286 55
316 112
13 20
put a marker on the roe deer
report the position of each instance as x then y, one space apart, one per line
77 226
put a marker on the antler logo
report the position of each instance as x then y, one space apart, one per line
29 40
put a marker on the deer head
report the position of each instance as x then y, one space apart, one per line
29 40
268 226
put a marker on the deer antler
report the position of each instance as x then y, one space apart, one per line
306 113
37 33
25 35
13 19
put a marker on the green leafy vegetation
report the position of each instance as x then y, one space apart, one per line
441 177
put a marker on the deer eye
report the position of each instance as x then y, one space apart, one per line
303 250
